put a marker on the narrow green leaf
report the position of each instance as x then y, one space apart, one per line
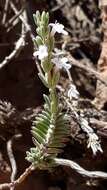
40 120
36 143
41 127
43 79
38 137
40 132
44 116
47 100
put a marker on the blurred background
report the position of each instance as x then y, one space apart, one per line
21 90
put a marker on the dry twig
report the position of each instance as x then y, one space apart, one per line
19 180
16 16
11 157
91 71
58 161
18 47
22 18
101 90
5 12
80 170
21 41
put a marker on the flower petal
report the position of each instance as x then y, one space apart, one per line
42 52
57 27
65 32
35 53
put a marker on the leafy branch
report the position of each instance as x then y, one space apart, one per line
50 129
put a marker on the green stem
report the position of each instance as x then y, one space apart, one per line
54 101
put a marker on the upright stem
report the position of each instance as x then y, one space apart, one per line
53 100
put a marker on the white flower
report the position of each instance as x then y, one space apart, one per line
42 52
72 92
94 143
57 27
61 63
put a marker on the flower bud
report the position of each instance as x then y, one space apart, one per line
47 18
43 17
37 18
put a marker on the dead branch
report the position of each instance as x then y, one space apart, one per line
18 47
11 157
21 42
5 12
58 161
100 124
101 127
91 71
79 169
16 16
19 180
57 7
21 17
101 90
66 9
